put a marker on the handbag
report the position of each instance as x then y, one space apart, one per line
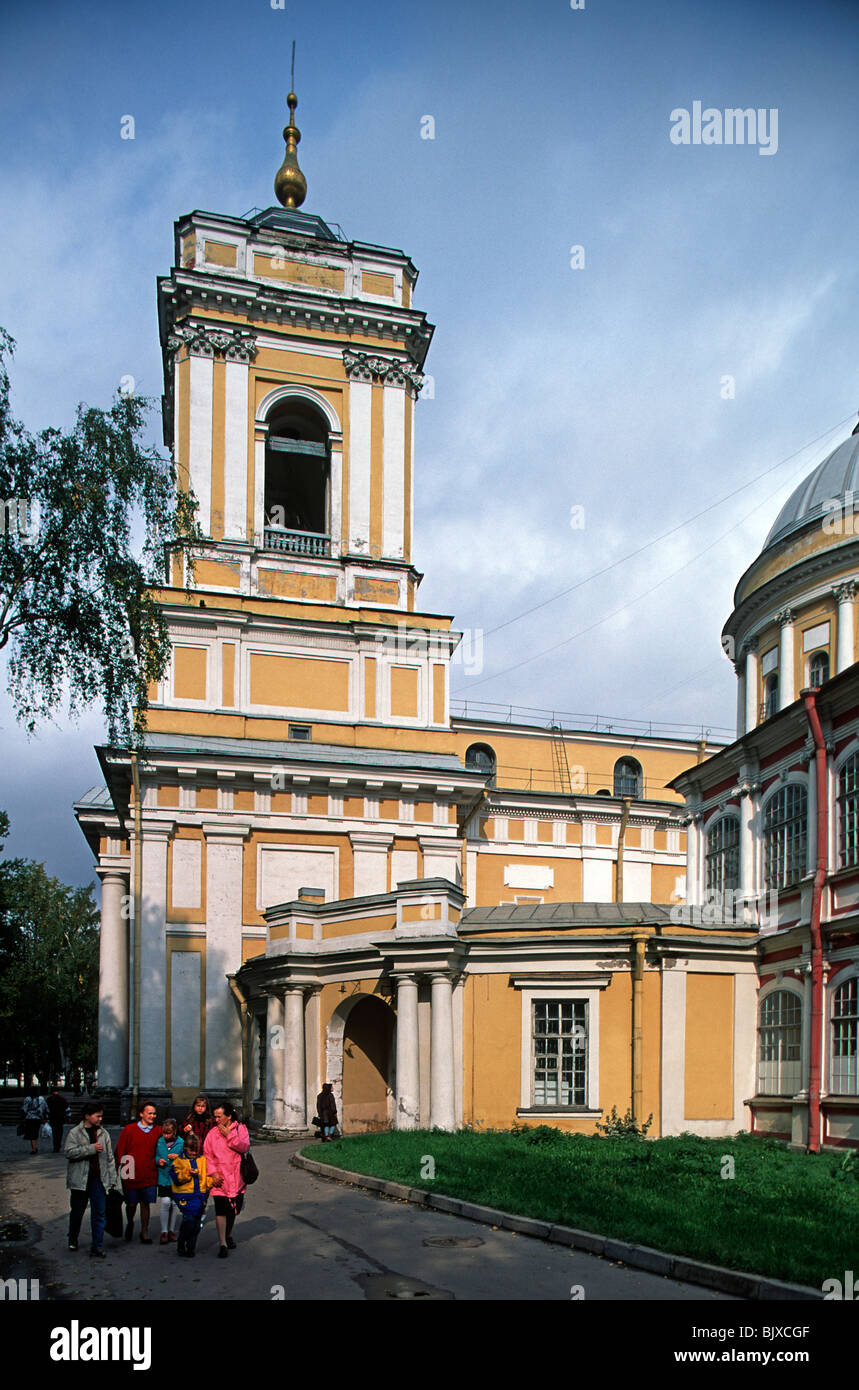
46 1133
248 1169
113 1213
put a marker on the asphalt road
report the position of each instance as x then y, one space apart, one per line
302 1237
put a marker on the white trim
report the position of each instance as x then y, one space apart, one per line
566 991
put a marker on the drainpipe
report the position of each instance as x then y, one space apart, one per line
138 912
809 699
638 942
621 836
243 1006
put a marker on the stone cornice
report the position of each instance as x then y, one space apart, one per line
395 371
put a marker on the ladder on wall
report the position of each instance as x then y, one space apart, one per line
560 762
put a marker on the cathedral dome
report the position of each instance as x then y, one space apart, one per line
837 475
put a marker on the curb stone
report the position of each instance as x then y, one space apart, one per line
689 1271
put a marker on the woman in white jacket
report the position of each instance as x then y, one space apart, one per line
91 1174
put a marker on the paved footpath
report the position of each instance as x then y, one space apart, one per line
302 1237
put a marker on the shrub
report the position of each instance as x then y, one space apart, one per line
626 1127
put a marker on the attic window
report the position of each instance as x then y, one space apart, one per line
301 733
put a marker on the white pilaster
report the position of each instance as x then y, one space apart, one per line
224 850
360 408
200 448
408 1054
393 464
442 1094
740 669
236 451
153 971
845 593
673 1051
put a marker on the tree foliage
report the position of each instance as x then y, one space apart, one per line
77 610
49 942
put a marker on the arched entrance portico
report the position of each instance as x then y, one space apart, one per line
360 1059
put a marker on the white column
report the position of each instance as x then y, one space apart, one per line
442 1113
153 959
740 669
751 654
295 1096
845 657
275 1058
260 437
786 694
113 1014
408 1054
224 853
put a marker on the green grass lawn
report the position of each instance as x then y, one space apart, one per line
787 1215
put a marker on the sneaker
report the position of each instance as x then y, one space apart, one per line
73 1245
223 1252
164 1238
172 1236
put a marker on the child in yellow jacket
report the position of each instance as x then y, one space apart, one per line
191 1187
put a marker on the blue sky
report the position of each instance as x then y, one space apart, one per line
555 387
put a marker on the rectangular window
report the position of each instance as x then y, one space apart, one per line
301 733
845 1040
560 1037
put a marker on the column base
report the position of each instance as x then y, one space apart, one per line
282 1135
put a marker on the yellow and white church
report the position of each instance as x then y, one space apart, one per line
457 921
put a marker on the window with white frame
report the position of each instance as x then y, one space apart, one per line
786 836
844 1071
723 855
848 812
780 1044
560 1037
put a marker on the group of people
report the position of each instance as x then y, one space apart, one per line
36 1112
180 1163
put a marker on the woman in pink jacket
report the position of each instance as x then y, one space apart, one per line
223 1150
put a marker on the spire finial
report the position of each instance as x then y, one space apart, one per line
290 185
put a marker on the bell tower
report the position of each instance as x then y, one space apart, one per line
292 364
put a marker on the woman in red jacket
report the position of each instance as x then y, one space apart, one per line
135 1163
198 1120
225 1145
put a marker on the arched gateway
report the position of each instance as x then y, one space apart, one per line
361 1060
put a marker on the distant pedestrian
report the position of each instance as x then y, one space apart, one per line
135 1159
34 1113
191 1186
58 1113
91 1174
198 1120
223 1151
326 1109
169 1146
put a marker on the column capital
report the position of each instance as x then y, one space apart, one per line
785 616
843 593
749 647
108 871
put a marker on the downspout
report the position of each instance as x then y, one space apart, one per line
809 699
638 942
621 836
138 912
243 1007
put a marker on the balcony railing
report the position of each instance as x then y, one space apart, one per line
297 542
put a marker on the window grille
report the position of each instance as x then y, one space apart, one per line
723 855
780 1044
844 1073
818 668
848 819
560 1052
627 778
786 836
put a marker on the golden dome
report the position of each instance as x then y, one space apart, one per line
290 185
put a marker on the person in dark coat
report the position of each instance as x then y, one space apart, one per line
326 1109
58 1113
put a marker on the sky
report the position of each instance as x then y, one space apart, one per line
634 336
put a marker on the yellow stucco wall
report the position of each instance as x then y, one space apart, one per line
709 1070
